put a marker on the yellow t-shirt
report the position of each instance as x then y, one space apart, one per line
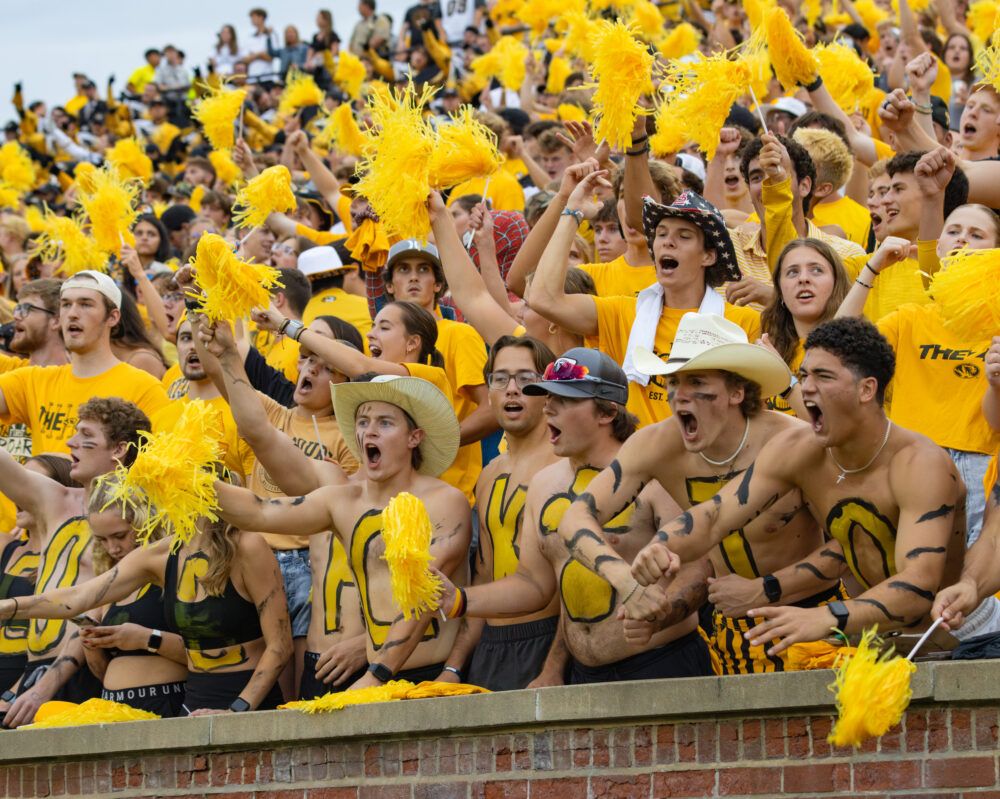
465 354
283 355
337 302
777 403
618 278
15 440
458 474
515 166
896 285
76 103
940 380
505 191
237 457
320 237
301 430
163 136
46 398
174 382
615 316
141 77
851 216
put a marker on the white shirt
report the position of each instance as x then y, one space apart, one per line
257 43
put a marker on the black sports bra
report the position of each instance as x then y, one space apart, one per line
146 611
213 622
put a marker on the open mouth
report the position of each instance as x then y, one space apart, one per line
968 129
373 456
512 408
689 425
805 296
375 349
305 384
554 434
668 264
815 415
876 219
73 330
732 182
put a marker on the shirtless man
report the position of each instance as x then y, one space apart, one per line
892 502
715 381
404 432
333 656
587 421
107 432
510 651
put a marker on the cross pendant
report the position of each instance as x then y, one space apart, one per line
840 478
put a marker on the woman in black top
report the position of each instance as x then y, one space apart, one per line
222 594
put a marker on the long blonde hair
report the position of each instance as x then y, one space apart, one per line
102 498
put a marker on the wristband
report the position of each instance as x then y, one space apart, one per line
772 588
454 671
641 151
868 266
380 672
577 215
293 329
640 140
192 303
922 109
461 603
239 705
283 325
811 87
862 283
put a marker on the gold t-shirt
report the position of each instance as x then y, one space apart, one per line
618 278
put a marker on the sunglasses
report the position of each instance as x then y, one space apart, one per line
567 369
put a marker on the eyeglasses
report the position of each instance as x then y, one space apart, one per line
173 296
567 369
498 381
22 309
283 248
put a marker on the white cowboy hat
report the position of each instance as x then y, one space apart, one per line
421 400
320 261
708 341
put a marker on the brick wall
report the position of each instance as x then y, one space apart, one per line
942 749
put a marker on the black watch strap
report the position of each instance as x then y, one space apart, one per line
772 588
239 705
840 613
380 672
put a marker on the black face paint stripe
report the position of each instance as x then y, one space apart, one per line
944 510
743 491
915 589
830 553
915 553
616 470
812 570
885 611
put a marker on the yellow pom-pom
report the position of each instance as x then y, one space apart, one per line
395 167
300 91
988 64
559 70
872 690
648 19
93 711
232 287
846 77
341 132
130 160
194 201
683 40
811 10
505 61
793 62
268 193
406 530
110 206
350 73
16 168
226 170
392 691
755 10
172 479
570 112
465 149
83 175
538 14
63 240
983 19
217 113
815 655
967 290
9 196
34 217
622 67
871 15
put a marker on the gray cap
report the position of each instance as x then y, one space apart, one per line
412 248
583 373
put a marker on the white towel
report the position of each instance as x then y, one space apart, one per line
648 308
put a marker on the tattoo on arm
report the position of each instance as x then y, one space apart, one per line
916 553
885 611
265 601
98 600
916 589
944 510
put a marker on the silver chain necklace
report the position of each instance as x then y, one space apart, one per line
731 458
844 472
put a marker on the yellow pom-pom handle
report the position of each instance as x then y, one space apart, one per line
406 531
232 288
270 192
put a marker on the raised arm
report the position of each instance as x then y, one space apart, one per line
892 250
467 286
574 312
921 73
715 174
34 492
305 515
323 179
862 145
638 181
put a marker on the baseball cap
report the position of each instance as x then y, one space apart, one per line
582 373
789 105
317 261
95 281
410 248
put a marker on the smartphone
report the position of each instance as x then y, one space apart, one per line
83 620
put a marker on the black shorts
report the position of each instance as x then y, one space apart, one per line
421 673
80 687
509 657
311 688
11 669
217 691
164 699
685 657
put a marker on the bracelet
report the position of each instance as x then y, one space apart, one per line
791 386
453 670
641 151
861 283
13 612
640 140
577 215
811 87
920 110
283 325
293 329
630 594
923 109
192 303
868 266
456 605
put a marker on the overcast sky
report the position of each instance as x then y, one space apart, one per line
44 44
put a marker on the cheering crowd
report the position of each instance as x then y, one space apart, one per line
679 404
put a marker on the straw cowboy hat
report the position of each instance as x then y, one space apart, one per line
708 341
419 399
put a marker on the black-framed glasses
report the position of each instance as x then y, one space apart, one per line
22 309
498 381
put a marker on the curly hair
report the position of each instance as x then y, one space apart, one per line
859 346
120 420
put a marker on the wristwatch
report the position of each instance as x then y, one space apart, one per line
239 705
155 642
772 588
840 613
381 673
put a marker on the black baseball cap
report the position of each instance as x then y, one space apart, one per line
582 373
